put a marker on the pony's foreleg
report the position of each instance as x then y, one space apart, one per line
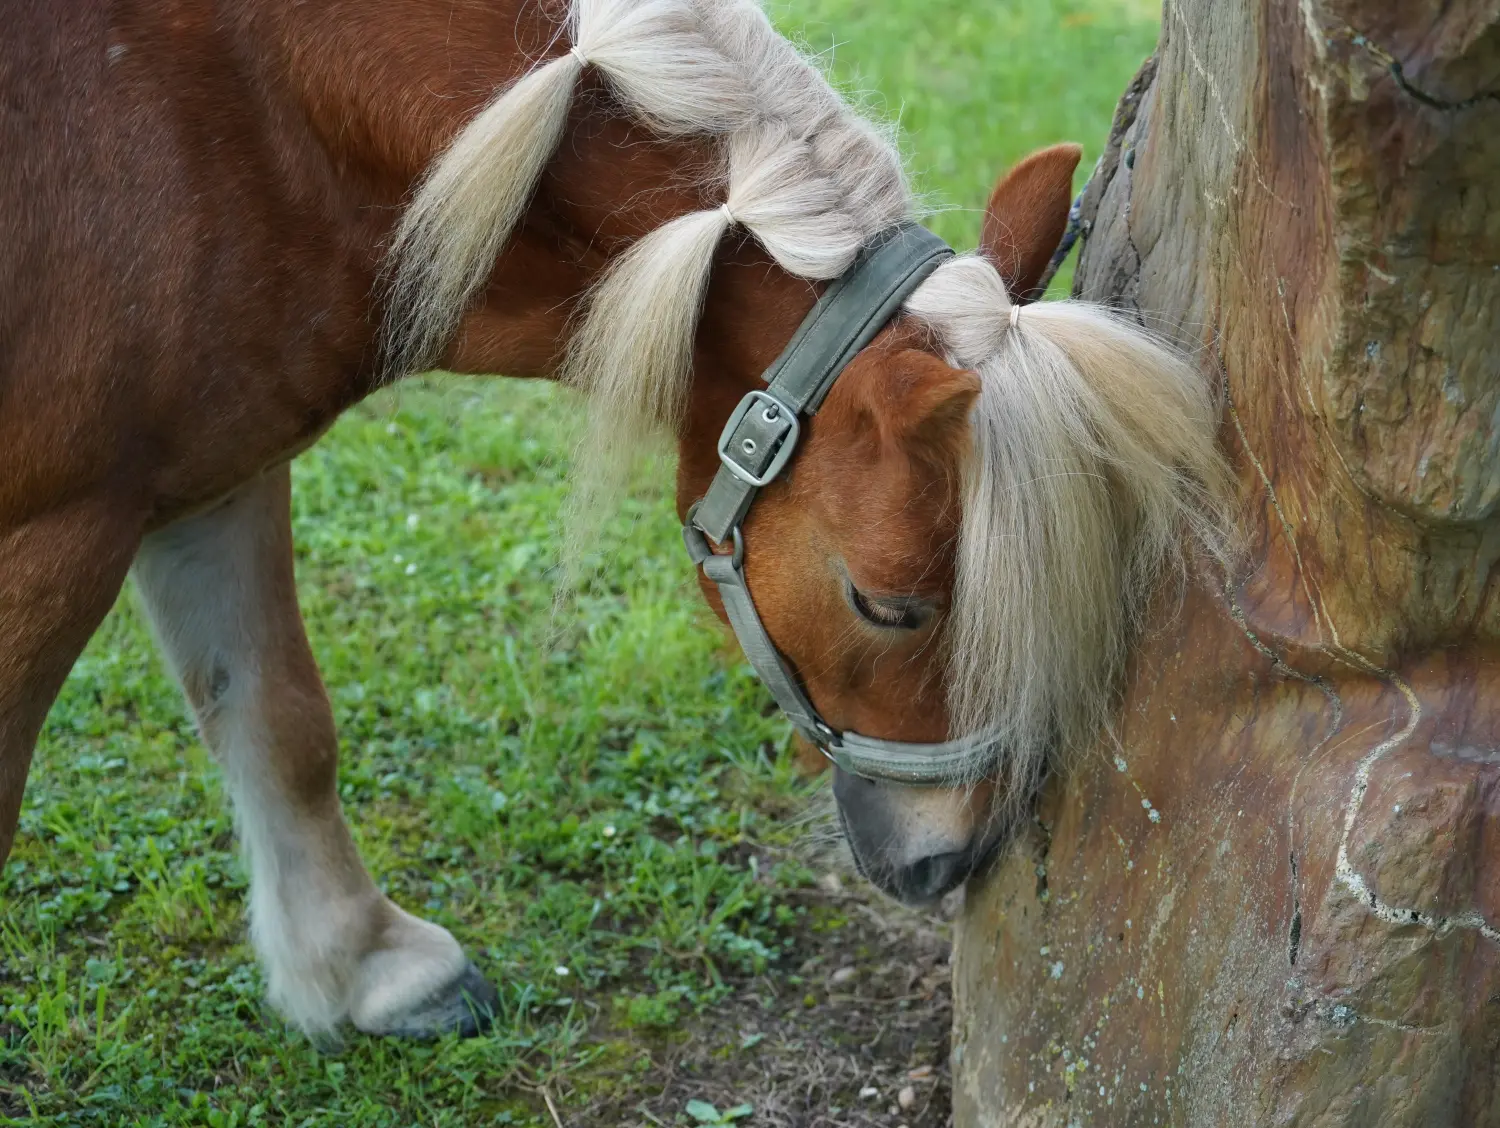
219 589
59 573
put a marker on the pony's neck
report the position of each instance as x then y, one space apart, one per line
751 311
385 97
609 184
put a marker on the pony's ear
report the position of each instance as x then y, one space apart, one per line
934 400
1026 217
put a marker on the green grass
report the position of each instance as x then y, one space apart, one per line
978 84
594 799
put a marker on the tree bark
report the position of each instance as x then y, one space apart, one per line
1276 899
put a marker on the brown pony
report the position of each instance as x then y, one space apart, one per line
229 220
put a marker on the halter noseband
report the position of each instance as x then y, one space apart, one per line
756 445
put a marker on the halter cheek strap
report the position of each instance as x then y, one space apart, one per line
755 446
761 435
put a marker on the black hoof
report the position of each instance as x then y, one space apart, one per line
466 1006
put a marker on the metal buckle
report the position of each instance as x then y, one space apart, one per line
773 412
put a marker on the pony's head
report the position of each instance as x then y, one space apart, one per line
967 536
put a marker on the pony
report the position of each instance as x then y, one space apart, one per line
229 220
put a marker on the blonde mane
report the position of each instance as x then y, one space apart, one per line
1093 450
1094 466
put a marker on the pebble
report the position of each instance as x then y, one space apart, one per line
906 1097
868 1093
842 975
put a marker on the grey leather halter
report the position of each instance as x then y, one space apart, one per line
756 445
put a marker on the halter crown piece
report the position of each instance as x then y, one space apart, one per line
756 445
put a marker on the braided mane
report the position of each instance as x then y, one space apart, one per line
808 177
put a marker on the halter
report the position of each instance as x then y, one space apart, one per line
756 445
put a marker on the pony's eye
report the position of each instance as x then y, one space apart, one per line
894 614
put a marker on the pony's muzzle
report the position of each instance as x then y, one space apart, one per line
925 880
915 844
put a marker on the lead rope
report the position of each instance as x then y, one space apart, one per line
1075 230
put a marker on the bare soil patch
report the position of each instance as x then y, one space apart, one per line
857 1037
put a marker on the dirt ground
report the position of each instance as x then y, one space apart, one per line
860 1042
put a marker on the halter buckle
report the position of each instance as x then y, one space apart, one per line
759 439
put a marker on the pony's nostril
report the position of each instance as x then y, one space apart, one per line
929 878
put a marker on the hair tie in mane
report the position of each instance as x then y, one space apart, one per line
577 52
1015 315
729 215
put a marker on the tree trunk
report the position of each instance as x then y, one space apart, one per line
1277 899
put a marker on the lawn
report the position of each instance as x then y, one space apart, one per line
592 793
